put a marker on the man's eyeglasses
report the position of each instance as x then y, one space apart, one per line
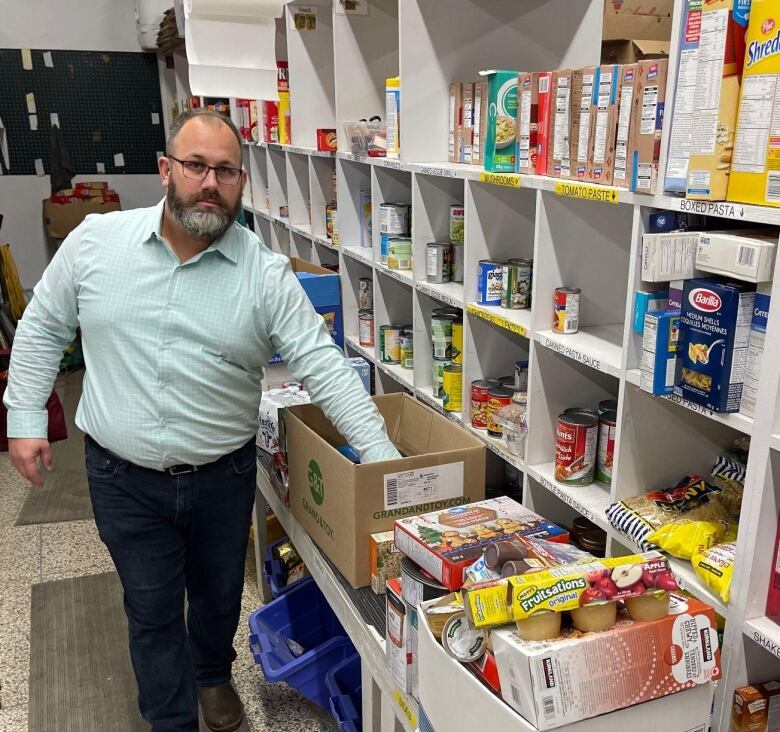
198 171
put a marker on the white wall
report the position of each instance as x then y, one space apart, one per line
82 25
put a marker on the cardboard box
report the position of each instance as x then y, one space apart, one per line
454 124
501 138
755 349
651 19
341 504
480 122
749 257
629 77
667 257
648 301
470 705
604 110
714 338
663 222
397 642
660 353
630 51
444 542
467 133
579 138
558 163
754 177
554 683
544 120
716 100
756 708
61 218
647 119
527 122
385 560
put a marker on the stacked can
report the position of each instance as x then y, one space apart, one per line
394 223
390 343
365 294
447 343
457 239
366 328
407 348
516 284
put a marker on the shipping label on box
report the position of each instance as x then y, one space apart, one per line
629 77
579 138
755 350
558 164
755 169
749 256
601 155
527 122
667 257
660 352
647 117
455 117
544 96
714 338
501 139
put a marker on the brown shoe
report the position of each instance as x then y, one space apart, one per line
222 708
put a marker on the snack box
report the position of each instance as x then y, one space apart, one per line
647 119
603 113
629 78
554 683
445 542
501 138
558 163
756 708
455 116
544 121
754 175
749 257
385 560
714 338
660 352
527 122
579 136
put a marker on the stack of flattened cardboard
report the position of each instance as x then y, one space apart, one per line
635 30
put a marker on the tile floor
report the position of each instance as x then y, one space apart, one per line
30 554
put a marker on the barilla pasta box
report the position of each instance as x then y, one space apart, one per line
714 338
558 164
544 121
501 138
527 122
604 109
579 136
445 542
755 169
647 119
723 25
629 78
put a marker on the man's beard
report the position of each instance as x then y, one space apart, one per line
200 221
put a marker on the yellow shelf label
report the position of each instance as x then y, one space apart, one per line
408 713
511 180
498 320
587 191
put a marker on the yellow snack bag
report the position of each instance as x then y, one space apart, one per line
715 567
689 535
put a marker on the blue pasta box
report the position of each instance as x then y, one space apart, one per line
647 302
660 352
714 338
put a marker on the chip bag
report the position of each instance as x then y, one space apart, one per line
715 567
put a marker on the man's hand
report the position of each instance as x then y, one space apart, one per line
24 453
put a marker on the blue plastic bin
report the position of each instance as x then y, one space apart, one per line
274 571
346 694
302 616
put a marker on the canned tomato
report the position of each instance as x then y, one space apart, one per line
567 310
606 447
457 341
575 449
498 397
490 275
366 328
457 262
452 384
330 219
384 247
516 284
441 334
438 262
365 293
390 343
456 224
438 376
608 405
407 348
399 253
479 401
394 218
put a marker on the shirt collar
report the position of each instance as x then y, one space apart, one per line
226 245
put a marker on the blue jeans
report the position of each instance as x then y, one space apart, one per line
167 535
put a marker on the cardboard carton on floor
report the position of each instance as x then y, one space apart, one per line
61 218
341 504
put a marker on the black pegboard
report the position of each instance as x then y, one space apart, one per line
105 101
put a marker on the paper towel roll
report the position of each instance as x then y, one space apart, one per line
240 45
233 10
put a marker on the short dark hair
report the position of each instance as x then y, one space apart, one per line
206 115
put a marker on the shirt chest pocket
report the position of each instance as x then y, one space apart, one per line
233 362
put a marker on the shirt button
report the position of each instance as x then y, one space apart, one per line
168 306
163 384
163 423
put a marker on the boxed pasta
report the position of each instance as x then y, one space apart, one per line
755 349
527 122
579 136
647 118
544 121
501 138
669 256
629 78
747 256
455 114
558 164
604 110
660 352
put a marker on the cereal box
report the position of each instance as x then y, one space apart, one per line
560 682
714 338
647 118
455 116
604 110
579 136
558 164
445 542
629 78
501 138
756 349
755 169
721 54
527 122
544 121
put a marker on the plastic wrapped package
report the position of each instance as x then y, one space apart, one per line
715 567
514 422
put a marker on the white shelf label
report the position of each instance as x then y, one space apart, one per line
566 498
766 643
445 172
438 295
394 164
573 354
709 208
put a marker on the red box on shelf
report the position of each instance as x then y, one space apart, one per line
326 140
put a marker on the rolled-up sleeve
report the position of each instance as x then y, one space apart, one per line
299 334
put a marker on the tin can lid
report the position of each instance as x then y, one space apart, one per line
454 368
521 260
608 405
485 383
461 642
579 418
569 290
445 316
501 392
366 313
581 410
609 417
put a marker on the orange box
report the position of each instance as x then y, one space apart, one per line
756 708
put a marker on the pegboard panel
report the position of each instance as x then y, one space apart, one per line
108 104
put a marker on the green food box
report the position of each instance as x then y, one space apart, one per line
501 139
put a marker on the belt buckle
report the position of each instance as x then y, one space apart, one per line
181 469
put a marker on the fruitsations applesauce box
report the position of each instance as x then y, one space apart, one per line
755 168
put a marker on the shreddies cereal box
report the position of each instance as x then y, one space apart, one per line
755 169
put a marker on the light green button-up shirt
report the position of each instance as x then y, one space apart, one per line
175 352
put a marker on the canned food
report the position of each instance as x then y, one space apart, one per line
606 446
394 218
521 375
366 328
399 253
462 642
438 376
498 397
452 384
457 341
457 262
567 310
479 401
366 234
489 282
441 334
390 343
516 284
456 224
507 381
365 293
407 348
575 449
384 247
330 212
438 262
608 405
